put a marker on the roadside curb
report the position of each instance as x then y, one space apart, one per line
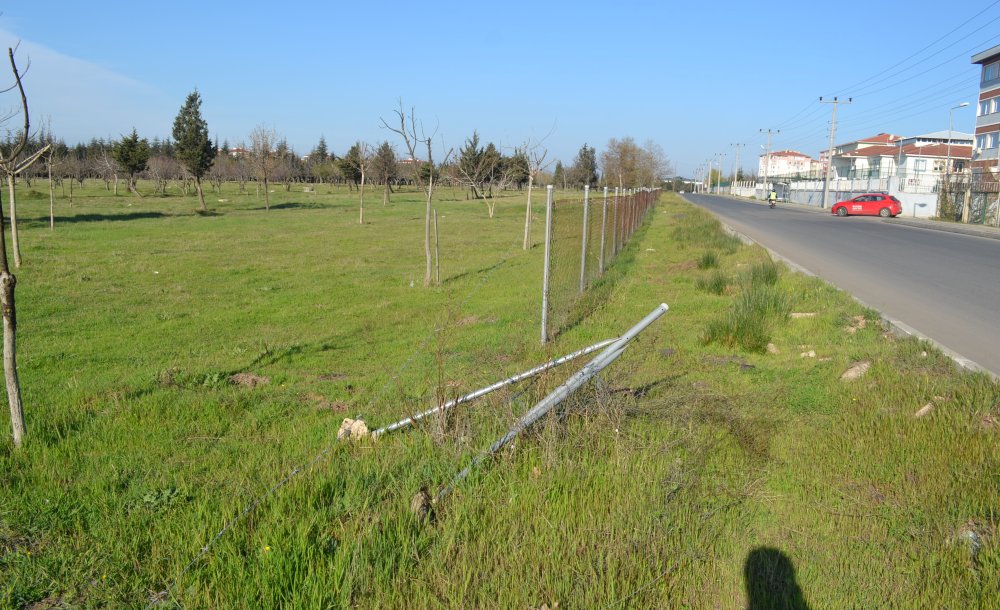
987 232
898 328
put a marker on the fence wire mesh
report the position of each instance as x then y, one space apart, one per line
587 233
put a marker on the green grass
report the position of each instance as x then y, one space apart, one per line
693 465
708 260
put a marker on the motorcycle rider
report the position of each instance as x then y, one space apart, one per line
772 197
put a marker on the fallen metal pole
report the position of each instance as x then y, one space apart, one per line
496 386
595 366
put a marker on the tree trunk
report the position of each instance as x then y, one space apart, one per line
361 218
131 187
116 185
71 191
527 216
385 194
427 229
201 195
267 199
7 283
52 201
14 244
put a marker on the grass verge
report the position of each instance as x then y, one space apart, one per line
701 475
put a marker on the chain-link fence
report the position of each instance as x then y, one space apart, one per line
583 236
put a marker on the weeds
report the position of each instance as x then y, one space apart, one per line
708 260
716 283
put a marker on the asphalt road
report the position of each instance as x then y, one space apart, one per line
946 286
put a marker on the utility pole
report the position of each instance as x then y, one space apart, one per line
829 151
767 155
722 160
736 167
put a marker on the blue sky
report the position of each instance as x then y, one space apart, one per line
693 77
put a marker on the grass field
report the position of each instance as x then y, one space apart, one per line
718 471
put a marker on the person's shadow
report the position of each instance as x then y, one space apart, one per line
770 581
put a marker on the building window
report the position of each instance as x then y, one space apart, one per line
991 72
991 140
921 165
984 108
981 142
993 105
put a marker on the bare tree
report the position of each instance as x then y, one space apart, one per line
11 167
359 161
536 164
408 131
262 141
481 169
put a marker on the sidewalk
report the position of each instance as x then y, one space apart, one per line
923 223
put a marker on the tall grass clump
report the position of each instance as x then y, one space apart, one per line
765 273
708 260
701 228
755 311
715 283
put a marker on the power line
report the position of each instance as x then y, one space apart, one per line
960 26
981 45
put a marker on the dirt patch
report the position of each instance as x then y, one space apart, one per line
685 266
248 380
332 376
857 323
323 403
52 601
858 369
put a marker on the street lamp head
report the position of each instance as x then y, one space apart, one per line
963 104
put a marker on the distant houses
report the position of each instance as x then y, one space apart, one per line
878 156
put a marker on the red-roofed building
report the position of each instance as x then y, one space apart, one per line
920 157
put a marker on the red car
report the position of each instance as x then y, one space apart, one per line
870 204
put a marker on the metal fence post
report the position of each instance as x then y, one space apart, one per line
586 231
604 226
614 226
548 260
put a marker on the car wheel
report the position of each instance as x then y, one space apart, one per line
884 213
841 211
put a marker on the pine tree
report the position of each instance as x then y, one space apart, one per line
131 153
320 154
193 146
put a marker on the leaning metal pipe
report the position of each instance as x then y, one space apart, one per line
496 386
595 366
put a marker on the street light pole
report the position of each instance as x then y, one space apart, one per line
947 164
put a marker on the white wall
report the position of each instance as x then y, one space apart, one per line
810 192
